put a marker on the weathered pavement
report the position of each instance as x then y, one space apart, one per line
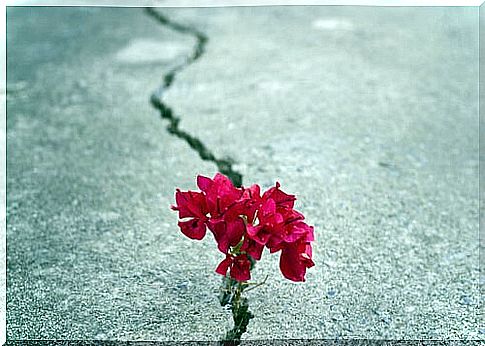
369 115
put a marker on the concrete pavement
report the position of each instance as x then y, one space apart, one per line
368 115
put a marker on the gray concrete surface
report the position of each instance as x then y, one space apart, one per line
93 249
369 115
482 155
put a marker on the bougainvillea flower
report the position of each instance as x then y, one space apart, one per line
191 205
253 202
227 206
252 248
194 228
224 265
295 259
227 232
293 228
243 222
300 231
279 226
239 267
281 198
220 193
269 220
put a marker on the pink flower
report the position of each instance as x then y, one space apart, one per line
227 231
269 220
253 202
279 226
239 267
191 205
228 206
244 222
291 230
252 248
220 193
282 199
295 259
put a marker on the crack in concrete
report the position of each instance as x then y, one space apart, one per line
224 165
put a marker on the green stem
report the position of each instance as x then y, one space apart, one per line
240 314
256 284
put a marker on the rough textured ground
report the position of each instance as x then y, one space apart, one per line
369 115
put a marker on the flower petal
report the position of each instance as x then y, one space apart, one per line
252 248
295 259
194 228
235 230
218 228
281 198
224 265
298 230
268 208
220 193
306 256
252 192
227 233
259 234
203 182
240 268
190 204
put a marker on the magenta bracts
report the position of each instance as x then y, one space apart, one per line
243 222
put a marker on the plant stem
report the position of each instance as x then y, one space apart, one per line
240 314
257 284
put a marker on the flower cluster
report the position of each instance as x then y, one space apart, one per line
243 222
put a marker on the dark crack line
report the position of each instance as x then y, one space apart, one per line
223 165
